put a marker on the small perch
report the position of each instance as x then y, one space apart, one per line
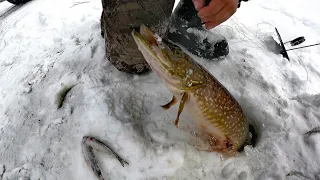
62 94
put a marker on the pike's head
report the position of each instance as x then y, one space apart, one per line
168 61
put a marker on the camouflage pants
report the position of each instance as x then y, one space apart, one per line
119 18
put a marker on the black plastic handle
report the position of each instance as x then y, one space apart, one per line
297 41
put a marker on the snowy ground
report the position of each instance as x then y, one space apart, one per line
47 45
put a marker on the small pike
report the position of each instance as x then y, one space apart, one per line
211 105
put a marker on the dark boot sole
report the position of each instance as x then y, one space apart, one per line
184 21
214 50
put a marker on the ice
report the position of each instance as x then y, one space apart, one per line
47 45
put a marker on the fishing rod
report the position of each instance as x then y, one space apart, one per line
304 47
294 42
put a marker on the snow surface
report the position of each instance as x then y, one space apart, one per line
47 45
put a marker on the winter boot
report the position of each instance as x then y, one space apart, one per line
187 30
119 18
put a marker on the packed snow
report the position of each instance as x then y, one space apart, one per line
48 45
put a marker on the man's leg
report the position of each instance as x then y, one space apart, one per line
119 18
186 29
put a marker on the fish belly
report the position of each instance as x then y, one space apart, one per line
201 121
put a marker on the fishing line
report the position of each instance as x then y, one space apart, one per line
301 63
238 24
294 42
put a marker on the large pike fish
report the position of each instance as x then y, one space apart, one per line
205 99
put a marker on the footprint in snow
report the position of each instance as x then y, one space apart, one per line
228 172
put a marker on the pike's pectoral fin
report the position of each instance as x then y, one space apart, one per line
183 101
170 104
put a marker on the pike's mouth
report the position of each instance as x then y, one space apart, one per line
153 49
157 54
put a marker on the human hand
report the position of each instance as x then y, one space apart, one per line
217 12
